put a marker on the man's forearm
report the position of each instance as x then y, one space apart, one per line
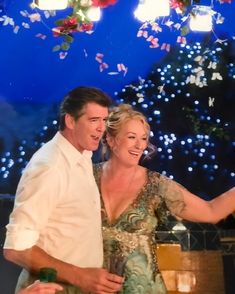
35 258
95 280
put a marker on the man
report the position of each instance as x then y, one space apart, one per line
56 219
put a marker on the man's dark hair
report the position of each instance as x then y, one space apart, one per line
75 101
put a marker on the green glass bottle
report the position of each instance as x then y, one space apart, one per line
47 275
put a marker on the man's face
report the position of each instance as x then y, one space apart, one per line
87 131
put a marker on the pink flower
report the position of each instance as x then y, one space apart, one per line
103 3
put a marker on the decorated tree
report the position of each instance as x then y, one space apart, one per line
188 99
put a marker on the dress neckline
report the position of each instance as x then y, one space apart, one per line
128 207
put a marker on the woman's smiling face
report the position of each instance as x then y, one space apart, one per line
130 142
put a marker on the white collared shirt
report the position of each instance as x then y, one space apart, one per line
57 206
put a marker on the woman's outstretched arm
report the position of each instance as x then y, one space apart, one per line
198 210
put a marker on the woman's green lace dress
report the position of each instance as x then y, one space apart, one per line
129 242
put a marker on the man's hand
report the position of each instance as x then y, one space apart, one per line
41 288
97 281
90 280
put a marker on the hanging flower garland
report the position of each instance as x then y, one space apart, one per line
179 22
77 21
182 4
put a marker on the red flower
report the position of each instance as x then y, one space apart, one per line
103 3
70 22
86 27
176 4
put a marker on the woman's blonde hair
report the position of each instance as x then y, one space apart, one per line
118 116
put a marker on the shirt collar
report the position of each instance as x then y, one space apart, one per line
70 152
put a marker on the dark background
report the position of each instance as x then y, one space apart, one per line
195 141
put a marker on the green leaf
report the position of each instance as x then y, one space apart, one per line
56 48
59 22
184 30
65 46
68 39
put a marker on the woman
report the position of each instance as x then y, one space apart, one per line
135 199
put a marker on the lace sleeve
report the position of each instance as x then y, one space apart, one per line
171 192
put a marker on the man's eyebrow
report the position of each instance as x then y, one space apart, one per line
92 117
